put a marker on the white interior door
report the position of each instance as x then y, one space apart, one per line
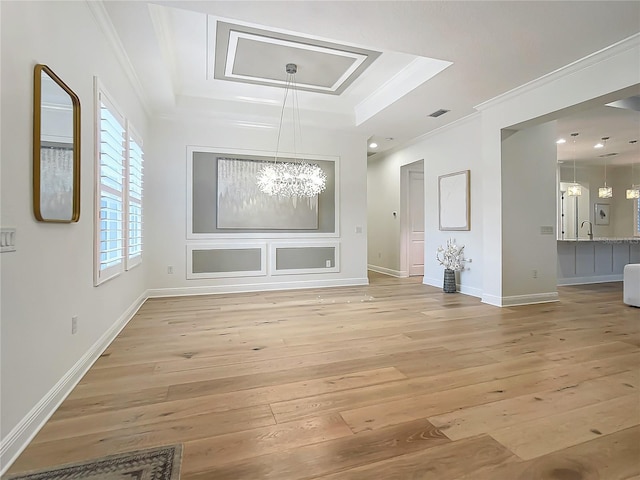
416 223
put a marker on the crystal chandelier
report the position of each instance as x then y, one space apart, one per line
606 191
291 179
574 190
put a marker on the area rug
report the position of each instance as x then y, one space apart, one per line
154 464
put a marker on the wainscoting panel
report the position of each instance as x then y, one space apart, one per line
595 261
226 260
304 257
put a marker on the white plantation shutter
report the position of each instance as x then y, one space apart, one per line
134 202
111 162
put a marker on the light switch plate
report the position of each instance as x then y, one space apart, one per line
8 240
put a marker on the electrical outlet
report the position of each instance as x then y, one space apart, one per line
535 273
327 264
74 325
170 270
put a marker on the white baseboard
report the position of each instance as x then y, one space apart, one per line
514 300
437 282
434 282
588 280
255 287
19 437
492 300
472 291
388 271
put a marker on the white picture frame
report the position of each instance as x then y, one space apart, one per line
454 203
601 214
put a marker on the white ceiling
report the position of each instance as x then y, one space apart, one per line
621 125
493 47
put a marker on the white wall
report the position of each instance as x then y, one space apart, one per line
49 278
451 150
383 229
595 77
166 190
529 182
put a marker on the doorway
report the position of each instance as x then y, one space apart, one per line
412 218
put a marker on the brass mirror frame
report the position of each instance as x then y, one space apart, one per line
37 119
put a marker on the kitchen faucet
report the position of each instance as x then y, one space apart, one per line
590 232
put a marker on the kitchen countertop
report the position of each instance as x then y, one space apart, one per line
603 239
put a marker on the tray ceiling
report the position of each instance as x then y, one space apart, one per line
256 56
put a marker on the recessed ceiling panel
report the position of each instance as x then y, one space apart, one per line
258 60
252 55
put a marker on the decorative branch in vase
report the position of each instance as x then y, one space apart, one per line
452 259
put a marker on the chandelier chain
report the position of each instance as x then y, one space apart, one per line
296 178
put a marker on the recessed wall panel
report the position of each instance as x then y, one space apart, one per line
226 260
298 258
292 258
278 216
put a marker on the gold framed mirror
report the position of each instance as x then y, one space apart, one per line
56 149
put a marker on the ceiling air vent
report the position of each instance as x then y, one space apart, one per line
437 113
608 155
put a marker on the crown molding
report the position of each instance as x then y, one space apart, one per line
104 21
431 133
585 62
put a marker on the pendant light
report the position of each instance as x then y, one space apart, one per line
291 179
605 192
574 190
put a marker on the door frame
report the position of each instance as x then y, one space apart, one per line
405 238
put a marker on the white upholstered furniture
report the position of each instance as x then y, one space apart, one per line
631 289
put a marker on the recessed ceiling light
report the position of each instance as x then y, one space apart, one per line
598 145
561 141
373 145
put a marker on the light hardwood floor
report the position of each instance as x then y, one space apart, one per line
391 381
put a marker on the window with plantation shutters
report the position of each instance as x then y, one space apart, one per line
119 191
